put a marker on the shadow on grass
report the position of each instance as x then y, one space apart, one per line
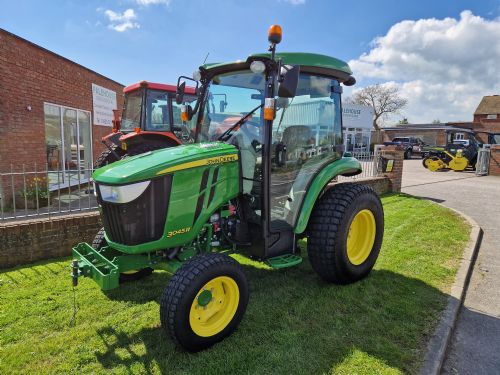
295 323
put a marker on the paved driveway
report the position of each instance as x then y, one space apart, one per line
475 346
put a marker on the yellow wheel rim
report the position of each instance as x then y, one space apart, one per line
361 237
214 306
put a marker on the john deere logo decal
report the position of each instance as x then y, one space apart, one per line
222 159
200 163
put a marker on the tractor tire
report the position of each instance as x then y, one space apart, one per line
99 241
345 233
107 157
204 301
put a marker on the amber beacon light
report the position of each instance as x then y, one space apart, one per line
275 33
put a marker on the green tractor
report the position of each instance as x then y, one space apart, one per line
256 180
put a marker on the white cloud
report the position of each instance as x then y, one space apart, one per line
152 2
122 21
295 2
443 67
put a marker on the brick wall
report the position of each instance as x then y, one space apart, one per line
396 175
28 241
381 185
30 76
495 160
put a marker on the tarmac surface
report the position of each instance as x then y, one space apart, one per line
475 345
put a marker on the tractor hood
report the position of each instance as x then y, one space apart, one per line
152 164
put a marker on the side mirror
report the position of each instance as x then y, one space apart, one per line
179 93
222 105
289 82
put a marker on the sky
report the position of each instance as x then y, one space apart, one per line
443 55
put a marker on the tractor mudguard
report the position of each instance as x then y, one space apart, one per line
166 137
344 166
112 138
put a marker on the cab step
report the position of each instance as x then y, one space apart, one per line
284 261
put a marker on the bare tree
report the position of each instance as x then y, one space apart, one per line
383 99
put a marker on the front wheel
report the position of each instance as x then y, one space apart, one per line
204 301
345 233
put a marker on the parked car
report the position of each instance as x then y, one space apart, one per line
411 145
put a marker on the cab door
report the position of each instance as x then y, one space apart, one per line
306 136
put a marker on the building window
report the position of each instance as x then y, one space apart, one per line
68 145
491 117
357 140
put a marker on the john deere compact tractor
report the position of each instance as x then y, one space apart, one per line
268 143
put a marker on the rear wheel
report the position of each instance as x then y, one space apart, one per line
99 242
108 156
204 301
345 233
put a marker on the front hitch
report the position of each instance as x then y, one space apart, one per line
92 263
75 272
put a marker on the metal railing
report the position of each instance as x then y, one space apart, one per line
369 163
34 192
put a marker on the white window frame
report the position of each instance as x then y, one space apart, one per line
63 161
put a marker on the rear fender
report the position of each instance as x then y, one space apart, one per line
346 166
112 138
145 136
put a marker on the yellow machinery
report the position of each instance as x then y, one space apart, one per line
446 160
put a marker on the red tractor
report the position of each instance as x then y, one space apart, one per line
150 120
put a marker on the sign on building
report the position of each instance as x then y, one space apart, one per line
104 102
357 116
357 121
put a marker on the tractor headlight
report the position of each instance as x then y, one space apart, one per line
123 193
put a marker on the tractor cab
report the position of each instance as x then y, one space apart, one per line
149 120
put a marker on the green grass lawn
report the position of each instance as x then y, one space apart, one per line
295 323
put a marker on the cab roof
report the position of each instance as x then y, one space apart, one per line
155 86
309 62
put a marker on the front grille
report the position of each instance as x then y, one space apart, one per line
141 220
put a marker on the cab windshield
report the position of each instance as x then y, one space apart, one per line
230 97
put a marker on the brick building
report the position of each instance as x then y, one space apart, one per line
486 120
51 110
487 117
